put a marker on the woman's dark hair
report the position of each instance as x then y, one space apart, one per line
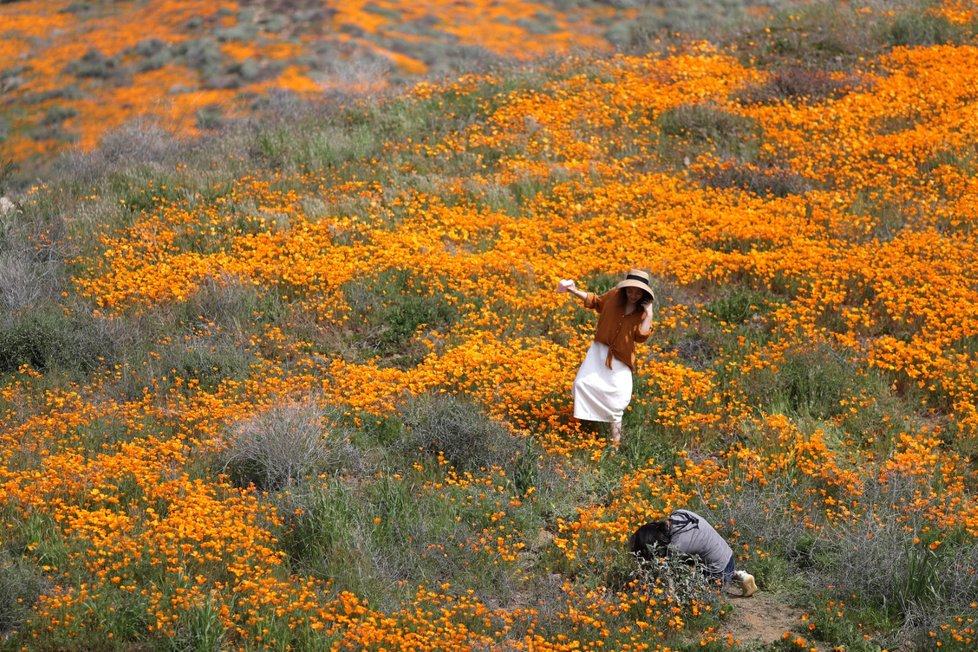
647 298
650 539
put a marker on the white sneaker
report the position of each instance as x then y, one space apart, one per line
747 583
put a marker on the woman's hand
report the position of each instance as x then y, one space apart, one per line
566 285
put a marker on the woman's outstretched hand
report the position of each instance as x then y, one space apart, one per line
566 285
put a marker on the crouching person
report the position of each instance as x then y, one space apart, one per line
689 533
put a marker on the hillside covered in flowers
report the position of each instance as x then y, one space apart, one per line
70 71
305 384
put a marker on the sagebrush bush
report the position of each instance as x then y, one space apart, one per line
762 518
21 583
892 558
796 81
458 428
284 443
22 282
136 142
763 180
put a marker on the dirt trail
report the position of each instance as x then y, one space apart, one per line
763 618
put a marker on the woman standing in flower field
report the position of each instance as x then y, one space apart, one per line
603 386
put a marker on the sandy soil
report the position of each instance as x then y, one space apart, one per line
763 618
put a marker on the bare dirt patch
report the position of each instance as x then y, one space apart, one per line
763 618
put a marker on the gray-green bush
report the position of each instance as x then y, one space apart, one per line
692 128
49 338
890 557
21 583
919 26
284 443
457 428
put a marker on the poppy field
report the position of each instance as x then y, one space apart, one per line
71 71
304 383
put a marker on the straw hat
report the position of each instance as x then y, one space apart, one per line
636 278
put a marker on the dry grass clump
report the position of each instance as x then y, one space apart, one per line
284 443
891 558
765 180
799 82
455 427
21 583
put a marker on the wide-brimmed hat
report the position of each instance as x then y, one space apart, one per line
636 278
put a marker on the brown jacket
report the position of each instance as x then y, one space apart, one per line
616 329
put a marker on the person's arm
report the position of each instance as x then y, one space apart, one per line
645 328
570 287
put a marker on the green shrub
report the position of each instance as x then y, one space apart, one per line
203 55
206 356
817 34
317 147
285 443
690 129
7 166
737 304
356 535
921 27
94 64
381 537
50 339
809 382
199 629
390 306
834 622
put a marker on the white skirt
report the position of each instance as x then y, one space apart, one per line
600 393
